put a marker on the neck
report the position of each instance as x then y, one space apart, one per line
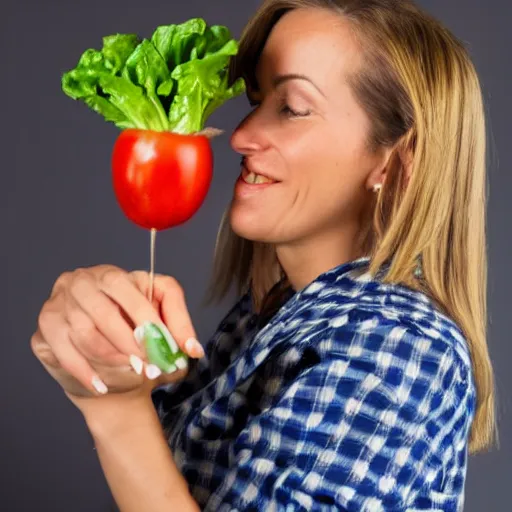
304 260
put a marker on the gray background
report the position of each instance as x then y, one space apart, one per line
58 213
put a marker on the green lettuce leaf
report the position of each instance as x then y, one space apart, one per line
131 100
177 42
147 68
110 112
171 82
117 49
202 87
95 81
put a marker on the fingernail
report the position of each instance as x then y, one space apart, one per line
194 348
171 369
181 363
138 333
137 364
152 371
99 385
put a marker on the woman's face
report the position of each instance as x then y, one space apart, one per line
307 133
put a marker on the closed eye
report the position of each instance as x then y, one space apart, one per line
289 112
285 109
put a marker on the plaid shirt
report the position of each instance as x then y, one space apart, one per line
356 396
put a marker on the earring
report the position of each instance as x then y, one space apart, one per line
377 187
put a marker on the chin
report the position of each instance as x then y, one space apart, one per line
248 225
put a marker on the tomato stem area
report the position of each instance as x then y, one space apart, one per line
210 132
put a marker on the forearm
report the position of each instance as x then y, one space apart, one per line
137 461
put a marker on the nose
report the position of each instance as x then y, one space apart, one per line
248 137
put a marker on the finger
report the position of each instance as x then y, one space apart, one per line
51 364
104 313
121 288
141 280
43 351
60 283
88 340
118 379
53 332
169 293
65 278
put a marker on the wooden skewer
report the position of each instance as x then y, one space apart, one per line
152 268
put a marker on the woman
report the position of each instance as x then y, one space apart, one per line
353 372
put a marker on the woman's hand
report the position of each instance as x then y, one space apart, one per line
85 331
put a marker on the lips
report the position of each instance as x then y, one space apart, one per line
249 185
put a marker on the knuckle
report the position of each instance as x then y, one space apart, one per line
141 279
81 274
102 268
173 285
111 277
86 337
139 275
81 326
83 334
63 277
43 351
34 344
77 279
61 281
46 318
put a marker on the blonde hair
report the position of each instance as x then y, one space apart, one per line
422 93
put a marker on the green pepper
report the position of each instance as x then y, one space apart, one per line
161 348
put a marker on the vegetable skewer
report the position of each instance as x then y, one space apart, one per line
160 93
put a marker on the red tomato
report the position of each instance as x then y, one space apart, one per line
161 178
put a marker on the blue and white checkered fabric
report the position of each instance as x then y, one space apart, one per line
356 396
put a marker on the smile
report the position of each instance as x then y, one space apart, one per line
253 178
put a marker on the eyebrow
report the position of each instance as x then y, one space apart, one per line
278 80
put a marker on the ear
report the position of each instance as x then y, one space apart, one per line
378 174
405 150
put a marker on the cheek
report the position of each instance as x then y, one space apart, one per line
328 173
304 149
324 157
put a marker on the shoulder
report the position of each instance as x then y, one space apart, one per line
366 333
356 313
